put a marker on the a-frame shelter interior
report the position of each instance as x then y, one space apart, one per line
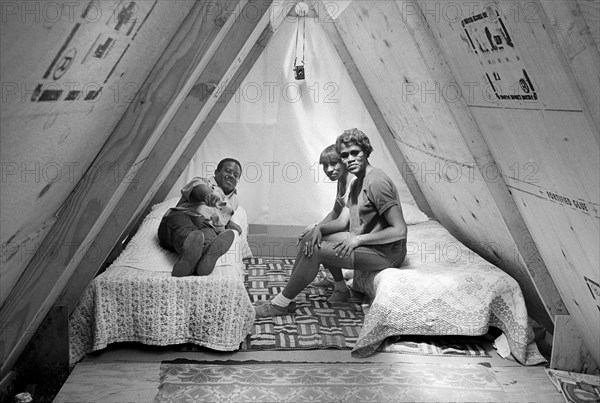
496 135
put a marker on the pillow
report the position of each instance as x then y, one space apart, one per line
159 209
412 214
240 218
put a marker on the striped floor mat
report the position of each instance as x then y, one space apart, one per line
316 324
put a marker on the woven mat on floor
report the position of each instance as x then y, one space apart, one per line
325 382
316 324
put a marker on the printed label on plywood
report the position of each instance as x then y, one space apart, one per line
494 48
87 59
535 189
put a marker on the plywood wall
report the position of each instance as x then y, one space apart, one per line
494 105
427 131
500 135
540 125
77 67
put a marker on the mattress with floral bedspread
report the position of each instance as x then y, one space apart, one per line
443 288
137 299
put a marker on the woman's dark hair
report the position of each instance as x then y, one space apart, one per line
224 160
354 136
329 155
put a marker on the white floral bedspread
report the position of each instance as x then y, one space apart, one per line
443 288
136 299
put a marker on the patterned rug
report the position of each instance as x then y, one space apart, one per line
320 382
316 324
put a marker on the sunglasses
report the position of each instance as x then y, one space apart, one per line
353 153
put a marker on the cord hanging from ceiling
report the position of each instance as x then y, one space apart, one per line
301 11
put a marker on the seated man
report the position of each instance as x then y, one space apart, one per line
199 228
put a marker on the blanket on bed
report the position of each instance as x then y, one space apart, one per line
136 299
443 288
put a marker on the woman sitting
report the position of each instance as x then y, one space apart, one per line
336 171
369 234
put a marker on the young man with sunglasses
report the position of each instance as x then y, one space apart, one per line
199 229
369 234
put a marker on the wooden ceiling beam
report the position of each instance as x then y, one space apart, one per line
86 228
188 129
224 98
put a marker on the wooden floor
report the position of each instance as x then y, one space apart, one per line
130 372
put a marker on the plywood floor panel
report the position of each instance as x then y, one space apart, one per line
130 372
111 381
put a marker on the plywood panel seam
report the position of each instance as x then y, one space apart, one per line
561 54
525 109
436 156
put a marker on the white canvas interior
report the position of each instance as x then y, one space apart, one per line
277 127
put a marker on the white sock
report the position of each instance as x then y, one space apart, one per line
281 301
340 285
